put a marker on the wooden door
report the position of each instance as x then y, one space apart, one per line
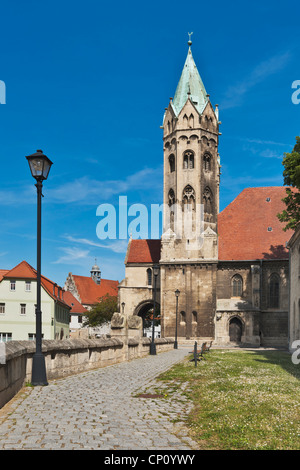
235 330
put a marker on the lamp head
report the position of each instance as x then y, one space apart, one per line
39 165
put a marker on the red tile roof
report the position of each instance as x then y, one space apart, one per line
243 226
144 251
2 273
90 292
25 271
76 306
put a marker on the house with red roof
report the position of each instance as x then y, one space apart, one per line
231 267
18 303
88 290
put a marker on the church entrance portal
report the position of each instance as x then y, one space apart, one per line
145 311
235 330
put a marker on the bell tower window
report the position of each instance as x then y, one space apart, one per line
188 198
207 162
172 163
208 201
188 160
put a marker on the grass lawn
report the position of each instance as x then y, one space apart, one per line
242 399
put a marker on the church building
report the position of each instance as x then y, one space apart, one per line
231 268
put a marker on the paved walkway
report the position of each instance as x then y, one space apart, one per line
100 410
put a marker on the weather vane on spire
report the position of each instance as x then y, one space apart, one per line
190 41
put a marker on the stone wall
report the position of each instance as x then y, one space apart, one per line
67 357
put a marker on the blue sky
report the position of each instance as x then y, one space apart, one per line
87 82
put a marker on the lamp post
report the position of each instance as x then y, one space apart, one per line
152 345
39 166
177 292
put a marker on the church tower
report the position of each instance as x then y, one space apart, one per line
189 251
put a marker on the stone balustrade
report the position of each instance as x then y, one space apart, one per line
66 357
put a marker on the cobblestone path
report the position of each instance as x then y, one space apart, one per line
100 410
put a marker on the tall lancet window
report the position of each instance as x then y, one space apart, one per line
207 162
188 198
171 203
188 160
274 291
236 286
172 163
208 203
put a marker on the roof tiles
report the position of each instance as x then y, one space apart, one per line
249 228
90 292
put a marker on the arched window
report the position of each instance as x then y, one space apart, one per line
188 198
188 160
182 317
171 197
194 317
236 286
149 277
171 203
207 162
172 163
208 200
274 291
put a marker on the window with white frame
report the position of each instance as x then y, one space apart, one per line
4 337
28 286
13 285
23 309
2 308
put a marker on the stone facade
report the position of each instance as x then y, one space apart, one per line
294 311
231 268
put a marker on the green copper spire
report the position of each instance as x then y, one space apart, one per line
190 86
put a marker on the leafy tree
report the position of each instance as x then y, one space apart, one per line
102 311
291 174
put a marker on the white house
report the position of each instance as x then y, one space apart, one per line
18 301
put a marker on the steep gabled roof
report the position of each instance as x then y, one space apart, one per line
24 270
76 307
2 273
90 292
249 229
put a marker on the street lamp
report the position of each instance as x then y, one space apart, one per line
152 345
39 166
177 292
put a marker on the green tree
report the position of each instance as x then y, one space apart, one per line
102 311
291 174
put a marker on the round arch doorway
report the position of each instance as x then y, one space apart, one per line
235 330
145 311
